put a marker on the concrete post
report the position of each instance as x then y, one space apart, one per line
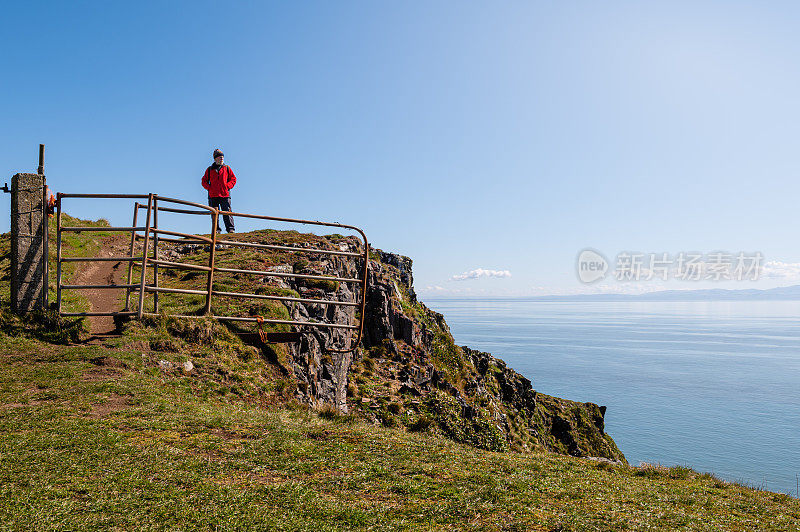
28 243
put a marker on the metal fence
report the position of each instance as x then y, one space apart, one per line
150 234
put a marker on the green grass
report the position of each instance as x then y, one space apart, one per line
119 436
101 437
73 245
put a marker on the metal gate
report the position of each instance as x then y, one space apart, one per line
150 234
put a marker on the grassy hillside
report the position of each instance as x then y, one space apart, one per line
96 437
178 424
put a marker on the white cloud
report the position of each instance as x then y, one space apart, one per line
479 273
776 269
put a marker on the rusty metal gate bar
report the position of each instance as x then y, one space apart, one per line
362 282
211 269
60 229
151 229
130 264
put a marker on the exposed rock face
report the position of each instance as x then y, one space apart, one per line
390 283
409 371
321 371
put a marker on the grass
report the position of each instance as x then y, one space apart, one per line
121 436
97 437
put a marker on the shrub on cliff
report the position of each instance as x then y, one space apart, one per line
479 431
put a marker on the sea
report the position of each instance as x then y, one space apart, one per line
712 385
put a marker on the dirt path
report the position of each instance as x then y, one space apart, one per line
106 272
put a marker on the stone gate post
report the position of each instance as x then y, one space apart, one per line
28 243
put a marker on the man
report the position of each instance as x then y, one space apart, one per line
218 180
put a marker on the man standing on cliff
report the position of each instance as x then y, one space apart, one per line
218 180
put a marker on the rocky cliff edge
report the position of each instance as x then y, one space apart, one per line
409 372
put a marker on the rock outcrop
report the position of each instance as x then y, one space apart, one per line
408 371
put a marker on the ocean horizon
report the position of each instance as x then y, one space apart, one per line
711 385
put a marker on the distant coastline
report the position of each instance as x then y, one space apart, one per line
784 293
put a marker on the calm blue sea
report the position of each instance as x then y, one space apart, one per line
711 385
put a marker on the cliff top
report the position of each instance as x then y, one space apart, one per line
104 437
178 423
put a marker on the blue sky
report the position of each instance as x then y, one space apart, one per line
500 137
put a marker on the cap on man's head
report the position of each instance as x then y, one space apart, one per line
218 153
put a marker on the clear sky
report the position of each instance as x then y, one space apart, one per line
489 141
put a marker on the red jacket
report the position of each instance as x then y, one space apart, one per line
219 181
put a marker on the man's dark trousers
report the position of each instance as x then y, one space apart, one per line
223 204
